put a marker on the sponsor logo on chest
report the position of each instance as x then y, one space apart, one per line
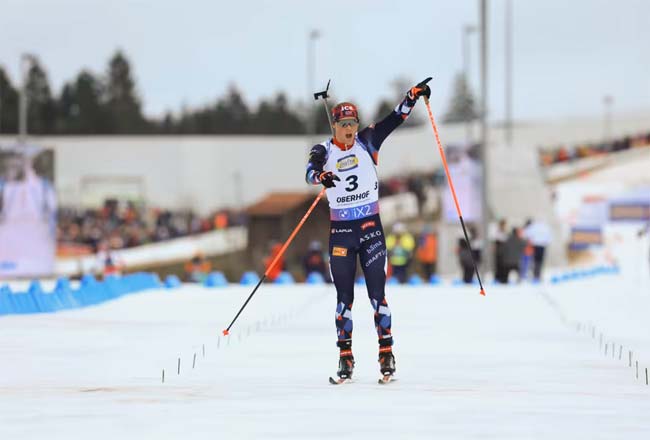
353 197
347 163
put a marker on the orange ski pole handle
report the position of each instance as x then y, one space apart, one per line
453 191
286 244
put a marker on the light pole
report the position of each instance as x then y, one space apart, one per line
485 209
26 61
0 108
314 35
468 30
508 75
608 102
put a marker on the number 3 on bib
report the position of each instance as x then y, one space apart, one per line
352 181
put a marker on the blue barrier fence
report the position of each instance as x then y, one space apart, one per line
216 279
578 274
63 297
92 291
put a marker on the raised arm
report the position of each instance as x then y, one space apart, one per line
375 134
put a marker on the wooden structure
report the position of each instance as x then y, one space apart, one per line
272 219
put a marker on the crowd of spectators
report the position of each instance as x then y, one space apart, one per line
407 253
520 249
124 225
558 154
417 183
514 248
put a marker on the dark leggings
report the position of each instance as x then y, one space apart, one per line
361 240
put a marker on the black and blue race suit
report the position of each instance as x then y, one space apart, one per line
356 233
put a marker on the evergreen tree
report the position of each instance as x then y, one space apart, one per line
92 112
263 119
185 124
41 107
231 114
322 121
80 108
66 110
8 105
286 122
319 117
92 105
462 107
123 104
383 109
238 108
167 126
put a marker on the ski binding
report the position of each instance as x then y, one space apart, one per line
340 381
386 379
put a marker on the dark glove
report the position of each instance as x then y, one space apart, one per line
327 178
420 89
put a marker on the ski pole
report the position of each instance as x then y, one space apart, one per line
277 257
325 95
453 192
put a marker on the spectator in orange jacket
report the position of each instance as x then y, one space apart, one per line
221 220
427 251
197 269
279 266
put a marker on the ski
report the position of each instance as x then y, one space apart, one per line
385 380
339 381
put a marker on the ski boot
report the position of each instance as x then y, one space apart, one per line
346 366
386 360
386 363
346 363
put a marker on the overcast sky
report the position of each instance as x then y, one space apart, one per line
567 54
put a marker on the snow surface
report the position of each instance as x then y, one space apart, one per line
505 366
